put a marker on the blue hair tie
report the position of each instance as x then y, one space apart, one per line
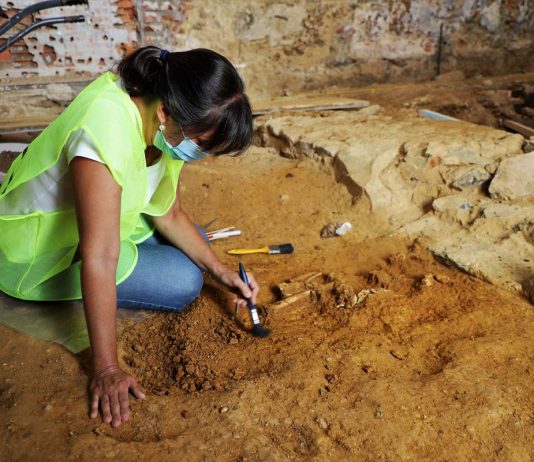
164 54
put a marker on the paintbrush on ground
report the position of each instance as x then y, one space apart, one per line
257 329
271 250
222 230
222 233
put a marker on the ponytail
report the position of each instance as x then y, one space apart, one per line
199 88
141 72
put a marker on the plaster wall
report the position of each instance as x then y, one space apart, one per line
283 47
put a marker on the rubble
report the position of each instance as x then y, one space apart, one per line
411 169
514 178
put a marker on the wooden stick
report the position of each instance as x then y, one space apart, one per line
290 300
222 230
307 103
527 132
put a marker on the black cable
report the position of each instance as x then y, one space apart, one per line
440 50
44 22
35 8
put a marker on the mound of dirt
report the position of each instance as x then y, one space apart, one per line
194 351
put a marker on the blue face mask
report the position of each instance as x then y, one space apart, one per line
187 150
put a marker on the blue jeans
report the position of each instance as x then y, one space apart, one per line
164 278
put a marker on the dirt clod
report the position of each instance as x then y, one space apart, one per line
322 423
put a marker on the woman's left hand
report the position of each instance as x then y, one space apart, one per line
234 283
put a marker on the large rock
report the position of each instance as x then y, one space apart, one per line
411 169
520 213
448 203
514 178
400 163
507 263
466 177
365 162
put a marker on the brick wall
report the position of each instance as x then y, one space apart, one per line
110 30
160 21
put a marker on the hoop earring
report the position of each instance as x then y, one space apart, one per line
162 127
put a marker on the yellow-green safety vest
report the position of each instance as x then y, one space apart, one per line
37 250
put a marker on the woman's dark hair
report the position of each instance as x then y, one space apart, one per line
199 88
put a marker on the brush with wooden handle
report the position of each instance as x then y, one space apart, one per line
271 250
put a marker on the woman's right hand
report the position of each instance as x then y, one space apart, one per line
109 389
233 282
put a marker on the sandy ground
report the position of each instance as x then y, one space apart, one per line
433 365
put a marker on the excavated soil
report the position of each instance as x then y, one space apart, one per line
385 355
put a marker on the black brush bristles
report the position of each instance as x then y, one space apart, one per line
281 249
259 331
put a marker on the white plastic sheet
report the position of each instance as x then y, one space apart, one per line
59 322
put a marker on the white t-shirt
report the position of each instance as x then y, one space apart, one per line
52 189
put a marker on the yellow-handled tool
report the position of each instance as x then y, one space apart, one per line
271 249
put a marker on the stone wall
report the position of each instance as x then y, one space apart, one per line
284 46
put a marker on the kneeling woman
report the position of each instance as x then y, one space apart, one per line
91 208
